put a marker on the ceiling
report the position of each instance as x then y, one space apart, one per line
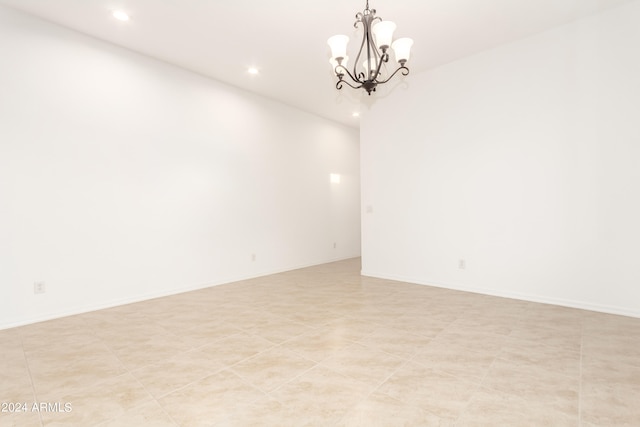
286 39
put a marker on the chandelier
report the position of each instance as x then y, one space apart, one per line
374 49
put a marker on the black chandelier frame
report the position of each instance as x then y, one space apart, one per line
367 18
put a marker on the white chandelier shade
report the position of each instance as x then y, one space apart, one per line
383 33
338 46
402 49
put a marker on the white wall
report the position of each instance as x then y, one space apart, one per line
124 178
524 161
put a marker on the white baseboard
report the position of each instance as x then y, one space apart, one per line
145 297
583 305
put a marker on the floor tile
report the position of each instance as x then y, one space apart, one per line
365 364
610 404
167 376
277 330
398 342
325 346
318 344
435 391
488 408
264 412
272 368
15 382
207 332
380 410
565 338
235 348
57 372
610 393
102 402
319 397
553 359
468 364
148 414
210 400
463 340
20 419
534 383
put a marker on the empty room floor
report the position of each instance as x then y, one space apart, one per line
323 346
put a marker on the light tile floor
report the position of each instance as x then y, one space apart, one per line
323 346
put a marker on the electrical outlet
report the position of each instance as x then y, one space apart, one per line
334 245
462 264
253 257
39 288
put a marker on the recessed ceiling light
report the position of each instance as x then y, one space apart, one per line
120 15
253 71
356 114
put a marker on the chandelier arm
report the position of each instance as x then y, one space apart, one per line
349 74
382 59
372 50
358 19
405 72
340 82
355 64
368 36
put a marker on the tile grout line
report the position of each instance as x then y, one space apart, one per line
270 393
33 387
130 373
479 386
405 362
215 372
580 375
153 398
